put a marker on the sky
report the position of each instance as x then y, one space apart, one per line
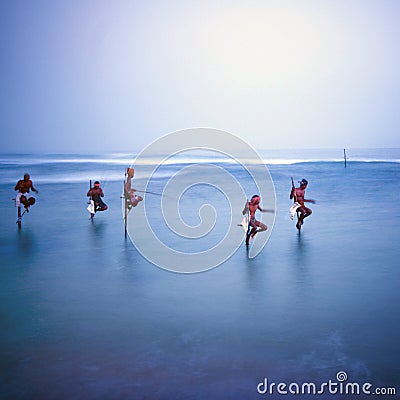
81 76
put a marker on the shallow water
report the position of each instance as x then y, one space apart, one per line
84 316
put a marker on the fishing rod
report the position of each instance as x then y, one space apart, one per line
293 187
146 191
129 188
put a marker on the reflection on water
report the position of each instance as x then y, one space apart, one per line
97 230
300 246
90 318
26 243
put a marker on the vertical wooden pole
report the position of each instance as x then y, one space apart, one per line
90 198
345 158
295 199
125 207
19 221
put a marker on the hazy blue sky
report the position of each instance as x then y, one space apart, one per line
79 76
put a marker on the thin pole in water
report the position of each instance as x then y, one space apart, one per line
90 198
19 220
345 158
125 208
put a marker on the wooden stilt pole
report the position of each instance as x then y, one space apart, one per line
125 207
19 217
90 199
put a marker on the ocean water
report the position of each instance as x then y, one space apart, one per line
83 315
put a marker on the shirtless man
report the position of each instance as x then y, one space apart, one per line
298 195
254 226
131 198
23 186
96 193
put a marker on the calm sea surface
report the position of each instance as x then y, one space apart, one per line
84 316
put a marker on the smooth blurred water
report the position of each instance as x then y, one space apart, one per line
84 316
